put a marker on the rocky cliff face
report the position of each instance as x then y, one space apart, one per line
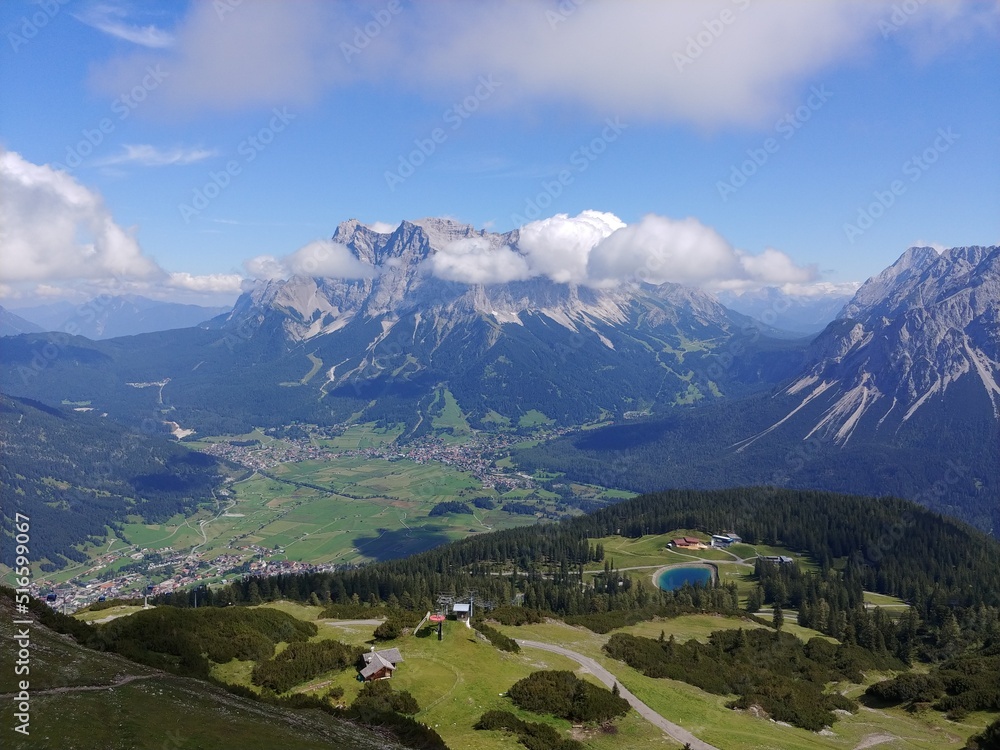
923 333
304 307
510 347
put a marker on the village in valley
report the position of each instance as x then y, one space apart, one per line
273 459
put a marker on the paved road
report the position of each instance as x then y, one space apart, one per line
335 623
673 730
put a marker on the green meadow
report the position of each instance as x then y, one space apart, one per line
354 509
458 678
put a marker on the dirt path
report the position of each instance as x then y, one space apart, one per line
678 733
871 740
87 688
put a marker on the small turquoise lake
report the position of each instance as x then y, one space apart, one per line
675 578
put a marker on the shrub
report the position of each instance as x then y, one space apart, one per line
906 688
533 735
449 507
509 615
498 639
389 630
303 661
378 696
563 694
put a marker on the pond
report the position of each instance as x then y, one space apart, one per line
672 579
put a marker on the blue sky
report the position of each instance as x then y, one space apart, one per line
809 144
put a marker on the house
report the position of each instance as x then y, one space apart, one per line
379 665
725 539
779 559
462 612
688 542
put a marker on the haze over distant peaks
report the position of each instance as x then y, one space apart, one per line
109 316
12 324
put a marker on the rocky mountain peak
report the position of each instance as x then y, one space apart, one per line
927 326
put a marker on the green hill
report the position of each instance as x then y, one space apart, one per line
84 699
76 474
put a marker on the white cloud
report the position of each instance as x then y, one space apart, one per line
253 54
110 19
145 155
381 227
213 283
559 247
748 60
822 289
265 267
774 267
685 251
322 258
598 249
52 227
474 260
328 259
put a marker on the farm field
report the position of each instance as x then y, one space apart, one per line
374 509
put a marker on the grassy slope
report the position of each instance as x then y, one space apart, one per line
455 680
154 712
707 717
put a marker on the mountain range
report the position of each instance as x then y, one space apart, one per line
12 324
798 313
109 316
897 396
893 395
386 345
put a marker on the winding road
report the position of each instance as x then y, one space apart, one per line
678 733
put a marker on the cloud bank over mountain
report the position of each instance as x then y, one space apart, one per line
55 229
599 249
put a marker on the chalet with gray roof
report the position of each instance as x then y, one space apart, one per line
379 665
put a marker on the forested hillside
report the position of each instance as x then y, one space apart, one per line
75 474
703 449
945 569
